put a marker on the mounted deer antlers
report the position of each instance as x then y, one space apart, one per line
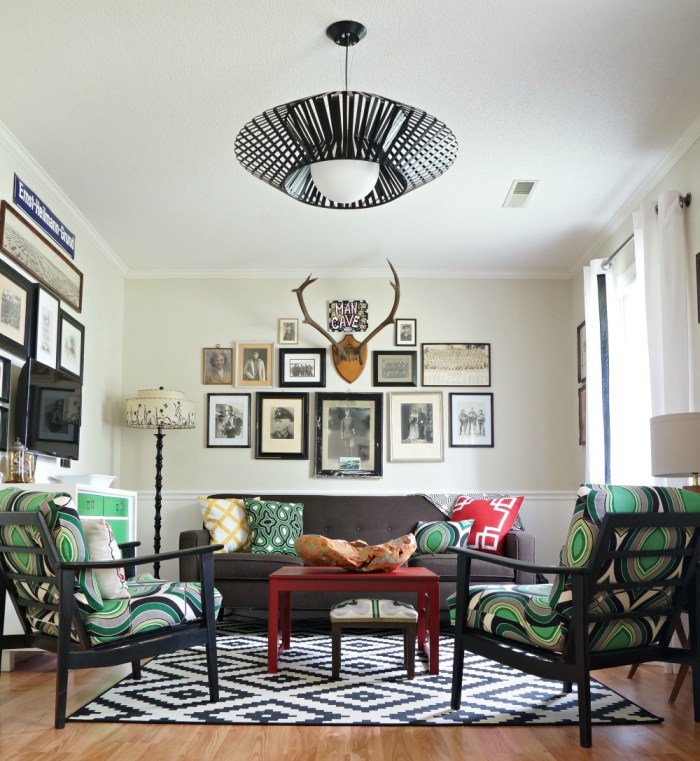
349 354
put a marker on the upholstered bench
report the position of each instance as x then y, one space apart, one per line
372 613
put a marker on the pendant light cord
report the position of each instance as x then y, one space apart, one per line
347 49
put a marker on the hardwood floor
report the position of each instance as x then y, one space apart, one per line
27 733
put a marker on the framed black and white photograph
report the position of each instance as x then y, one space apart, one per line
288 330
471 420
302 367
5 375
41 259
416 426
254 364
282 425
4 428
59 416
394 368
404 332
71 344
45 339
581 351
16 310
228 420
217 367
456 364
349 435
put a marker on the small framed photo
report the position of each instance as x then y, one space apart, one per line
456 364
416 426
16 311
45 338
5 375
254 364
405 332
302 367
581 351
394 368
288 330
4 428
471 420
217 367
228 420
349 435
71 345
282 422
582 415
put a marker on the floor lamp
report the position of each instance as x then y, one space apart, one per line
160 409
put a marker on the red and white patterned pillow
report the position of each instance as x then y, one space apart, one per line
493 519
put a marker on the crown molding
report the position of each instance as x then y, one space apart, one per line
624 214
28 167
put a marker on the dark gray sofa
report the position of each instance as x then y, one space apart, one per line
241 577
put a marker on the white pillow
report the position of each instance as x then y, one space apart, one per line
103 546
227 523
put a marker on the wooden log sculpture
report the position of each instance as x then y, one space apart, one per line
315 549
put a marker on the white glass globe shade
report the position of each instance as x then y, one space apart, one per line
345 180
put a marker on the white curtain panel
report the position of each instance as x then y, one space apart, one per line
667 284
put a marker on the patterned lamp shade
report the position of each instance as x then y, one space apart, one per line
363 149
159 408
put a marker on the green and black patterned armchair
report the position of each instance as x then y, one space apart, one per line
58 594
627 569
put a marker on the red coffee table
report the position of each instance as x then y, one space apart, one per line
424 583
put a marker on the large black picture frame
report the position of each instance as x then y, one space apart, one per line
16 311
352 449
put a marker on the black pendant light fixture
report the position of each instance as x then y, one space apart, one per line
346 149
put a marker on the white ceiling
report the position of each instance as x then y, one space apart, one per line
132 107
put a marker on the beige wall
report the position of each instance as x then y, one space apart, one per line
102 316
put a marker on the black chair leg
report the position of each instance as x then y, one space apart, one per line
457 672
136 669
584 711
61 692
566 687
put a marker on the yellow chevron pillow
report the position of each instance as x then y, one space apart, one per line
227 523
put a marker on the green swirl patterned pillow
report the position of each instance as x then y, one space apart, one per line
274 526
434 537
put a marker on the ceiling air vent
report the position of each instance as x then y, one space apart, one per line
519 194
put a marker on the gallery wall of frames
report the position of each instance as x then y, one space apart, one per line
40 290
277 407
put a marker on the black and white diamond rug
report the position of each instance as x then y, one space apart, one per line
372 690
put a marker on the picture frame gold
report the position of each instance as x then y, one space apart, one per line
217 366
254 364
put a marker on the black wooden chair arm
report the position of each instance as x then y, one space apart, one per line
143 559
520 565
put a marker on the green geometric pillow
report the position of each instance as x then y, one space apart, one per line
434 537
274 526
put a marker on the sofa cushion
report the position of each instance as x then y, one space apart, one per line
248 565
227 522
434 537
493 519
103 546
274 526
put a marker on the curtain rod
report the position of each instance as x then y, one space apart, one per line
684 201
608 262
